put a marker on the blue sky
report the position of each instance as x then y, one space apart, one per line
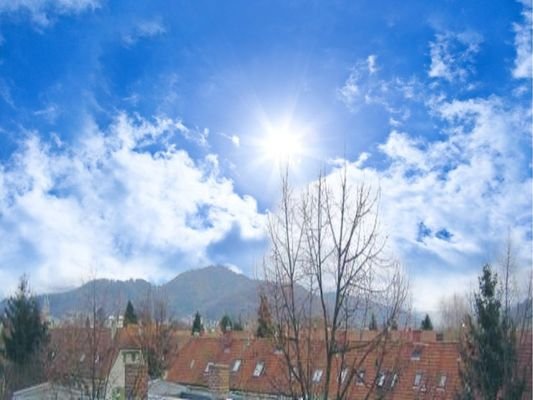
132 133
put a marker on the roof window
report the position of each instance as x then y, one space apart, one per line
394 381
418 379
361 377
317 375
416 354
344 374
259 368
236 366
381 379
208 366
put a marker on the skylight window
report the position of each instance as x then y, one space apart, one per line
208 366
418 379
381 379
82 358
442 381
394 380
361 377
317 375
259 367
344 374
191 365
236 366
294 372
416 354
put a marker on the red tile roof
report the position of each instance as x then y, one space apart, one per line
77 350
435 362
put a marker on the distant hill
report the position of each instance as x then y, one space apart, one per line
111 295
212 291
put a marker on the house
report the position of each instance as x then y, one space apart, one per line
415 365
86 362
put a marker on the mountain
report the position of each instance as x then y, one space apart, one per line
111 295
212 291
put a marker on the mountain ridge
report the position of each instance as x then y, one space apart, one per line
210 290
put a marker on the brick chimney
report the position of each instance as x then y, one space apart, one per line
218 381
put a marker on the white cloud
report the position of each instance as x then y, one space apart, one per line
428 291
108 204
234 139
452 55
144 29
371 63
467 189
350 91
523 63
50 112
5 93
363 86
234 268
42 11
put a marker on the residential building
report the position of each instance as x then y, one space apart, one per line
416 365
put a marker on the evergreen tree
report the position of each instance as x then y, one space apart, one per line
264 319
238 325
373 325
197 326
23 332
226 324
488 350
426 324
130 317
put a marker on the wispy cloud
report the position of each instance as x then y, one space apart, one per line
234 139
50 112
452 55
110 204
523 63
364 85
42 12
5 93
144 29
360 83
371 62
195 135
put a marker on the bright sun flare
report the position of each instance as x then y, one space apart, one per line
282 145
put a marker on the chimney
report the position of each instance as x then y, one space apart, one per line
218 381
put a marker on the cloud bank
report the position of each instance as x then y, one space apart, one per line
121 203
448 205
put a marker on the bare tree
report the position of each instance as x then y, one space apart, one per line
79 350
452 312
325 273
85 359
517 315
156 334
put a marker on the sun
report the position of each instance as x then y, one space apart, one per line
282 144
